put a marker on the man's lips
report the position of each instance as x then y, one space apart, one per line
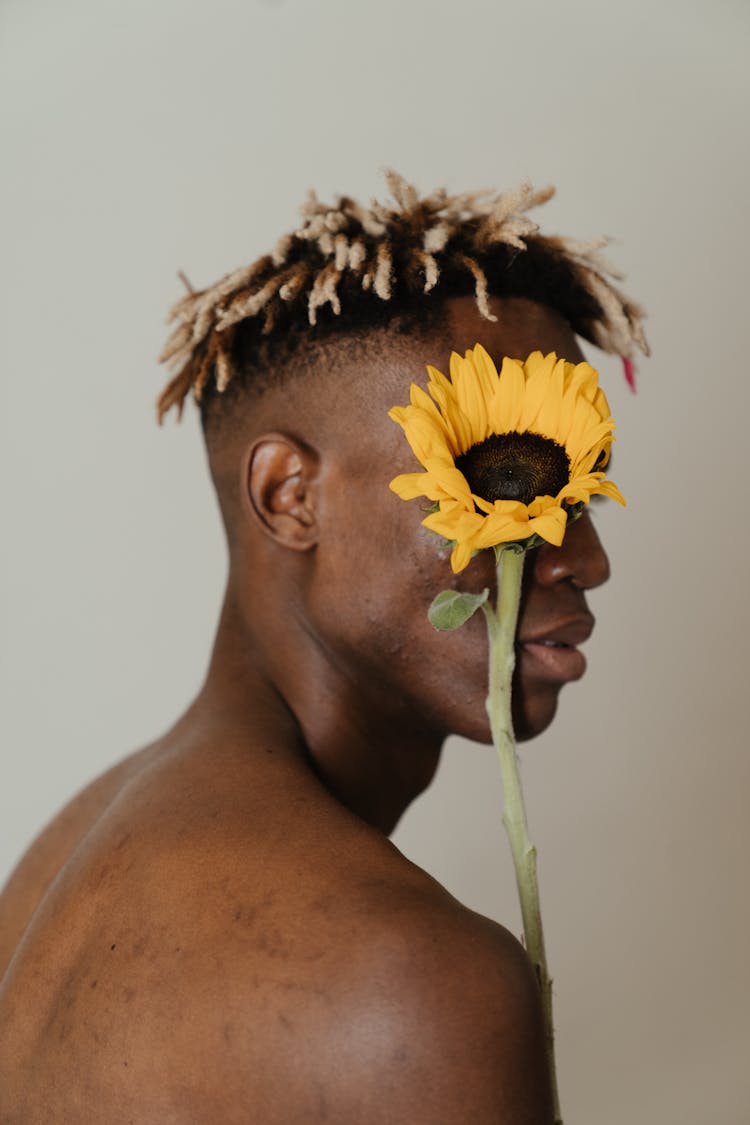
551 653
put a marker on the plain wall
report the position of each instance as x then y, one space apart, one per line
144 138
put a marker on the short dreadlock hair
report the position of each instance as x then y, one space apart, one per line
349 269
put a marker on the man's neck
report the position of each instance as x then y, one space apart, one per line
286 691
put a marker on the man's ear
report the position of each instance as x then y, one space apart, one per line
280 485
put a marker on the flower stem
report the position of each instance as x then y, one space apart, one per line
501 627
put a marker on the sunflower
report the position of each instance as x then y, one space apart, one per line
506 456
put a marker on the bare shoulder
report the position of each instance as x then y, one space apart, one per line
438 1019
348 986
237 948
372 995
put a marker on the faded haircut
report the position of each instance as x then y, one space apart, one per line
349 269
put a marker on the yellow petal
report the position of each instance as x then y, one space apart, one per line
610 489
540 504
576 376
499 527
437 379
580 445
547 421
451 480
483 505
486 372
538 369
597 456
410 485
453 521
551 525
505 409
576 493
456 424
420 400
424 439
470 398
581 379
460 557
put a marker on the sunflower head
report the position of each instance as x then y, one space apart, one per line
506 457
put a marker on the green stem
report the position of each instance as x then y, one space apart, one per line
501 627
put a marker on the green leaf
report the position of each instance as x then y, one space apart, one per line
451 609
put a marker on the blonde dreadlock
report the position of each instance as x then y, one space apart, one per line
399 253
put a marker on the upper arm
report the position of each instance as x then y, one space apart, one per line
456 1033
435 1023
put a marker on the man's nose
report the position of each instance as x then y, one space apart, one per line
581 559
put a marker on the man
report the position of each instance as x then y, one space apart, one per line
218 930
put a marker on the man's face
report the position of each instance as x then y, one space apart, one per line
379 569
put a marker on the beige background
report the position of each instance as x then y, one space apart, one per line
142 138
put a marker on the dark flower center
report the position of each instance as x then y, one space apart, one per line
515 466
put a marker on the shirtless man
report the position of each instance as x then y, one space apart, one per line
218 929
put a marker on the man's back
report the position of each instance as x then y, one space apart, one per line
227 943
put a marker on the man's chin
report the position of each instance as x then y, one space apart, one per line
533 711
532 717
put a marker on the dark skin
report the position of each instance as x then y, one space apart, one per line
230 936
